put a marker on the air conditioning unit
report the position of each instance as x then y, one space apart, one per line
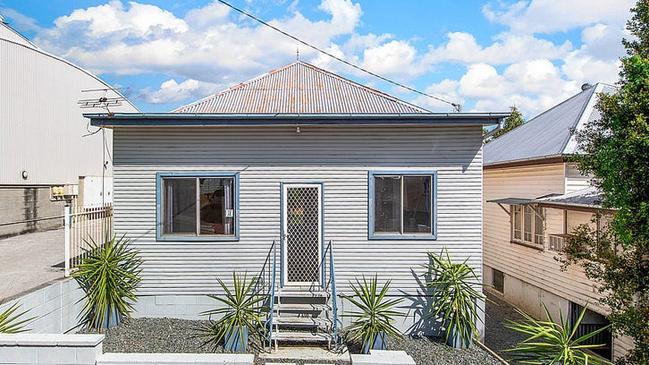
63 192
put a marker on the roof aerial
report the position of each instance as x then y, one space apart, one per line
550 134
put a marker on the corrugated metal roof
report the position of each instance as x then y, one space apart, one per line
589 197
550 134
300 88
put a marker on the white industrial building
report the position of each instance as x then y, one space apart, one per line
44 140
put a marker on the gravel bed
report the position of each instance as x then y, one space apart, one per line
429 351
154 335
498 337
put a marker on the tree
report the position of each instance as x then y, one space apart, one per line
514 120
616 153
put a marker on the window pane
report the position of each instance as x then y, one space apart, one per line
417 204
527 235
538 227
179 206
387 204
217 206
517 221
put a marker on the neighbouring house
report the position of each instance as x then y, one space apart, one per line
45 141
534 198
306 159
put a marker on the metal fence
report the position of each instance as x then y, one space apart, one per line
82 227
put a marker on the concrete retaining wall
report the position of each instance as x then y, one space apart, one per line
27 203
57 307
46 349
378 357
179 359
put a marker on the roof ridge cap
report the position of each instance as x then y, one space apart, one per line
363 87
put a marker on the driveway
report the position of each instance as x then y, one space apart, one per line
26 262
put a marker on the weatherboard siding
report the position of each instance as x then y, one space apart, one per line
528 269
339 157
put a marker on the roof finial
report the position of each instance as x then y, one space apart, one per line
297 53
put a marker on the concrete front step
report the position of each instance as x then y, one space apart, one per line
302 294
301 337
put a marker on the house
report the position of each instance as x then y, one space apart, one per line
534 198
45 141
303 158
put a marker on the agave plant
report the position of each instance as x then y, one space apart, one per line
109 275
455 295
554 343
13 322
372 321
241 313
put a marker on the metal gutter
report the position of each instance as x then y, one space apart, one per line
183 119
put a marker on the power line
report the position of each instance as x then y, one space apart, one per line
455 106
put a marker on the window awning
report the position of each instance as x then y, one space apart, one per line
513 201
588 199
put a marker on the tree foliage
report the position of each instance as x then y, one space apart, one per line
514 120
616 153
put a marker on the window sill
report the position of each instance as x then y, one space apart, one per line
529 244
401 237
168 238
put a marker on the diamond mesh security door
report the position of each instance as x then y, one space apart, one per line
302 233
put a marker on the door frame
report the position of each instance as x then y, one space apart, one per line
283 221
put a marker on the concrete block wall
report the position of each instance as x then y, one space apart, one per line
160 359
26 203
379 357
173 306
45 349
56 307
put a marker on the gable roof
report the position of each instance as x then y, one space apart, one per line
300 88
549 134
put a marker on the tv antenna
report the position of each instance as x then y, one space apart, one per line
103 102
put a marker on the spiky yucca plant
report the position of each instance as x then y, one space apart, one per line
13 322
243 308
374 314
109 275
455 295
552 343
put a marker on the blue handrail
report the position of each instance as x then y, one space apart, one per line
268 286
334 297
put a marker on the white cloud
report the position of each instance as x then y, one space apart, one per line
507 48
546 16
394 58
171 91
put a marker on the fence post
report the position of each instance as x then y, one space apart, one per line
66 222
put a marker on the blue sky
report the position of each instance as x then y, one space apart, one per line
486 55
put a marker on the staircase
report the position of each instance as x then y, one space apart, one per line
305 314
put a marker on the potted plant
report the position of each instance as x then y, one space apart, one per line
455 293
109 275
374 314
240 314
555 343
12 322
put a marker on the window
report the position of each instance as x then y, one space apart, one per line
401 205
528 224
197 206
498 280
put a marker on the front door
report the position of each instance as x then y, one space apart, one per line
302 233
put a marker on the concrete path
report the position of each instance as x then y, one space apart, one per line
26 262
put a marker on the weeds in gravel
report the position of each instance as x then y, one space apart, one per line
108 275
554 343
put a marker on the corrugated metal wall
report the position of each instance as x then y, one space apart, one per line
41 126
339 157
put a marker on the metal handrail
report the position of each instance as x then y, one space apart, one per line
334 297
266 285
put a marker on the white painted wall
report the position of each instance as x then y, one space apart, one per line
43 130
339 157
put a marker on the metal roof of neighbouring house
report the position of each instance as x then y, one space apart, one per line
550 134
300 88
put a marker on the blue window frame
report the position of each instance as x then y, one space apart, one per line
402 205
197 206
